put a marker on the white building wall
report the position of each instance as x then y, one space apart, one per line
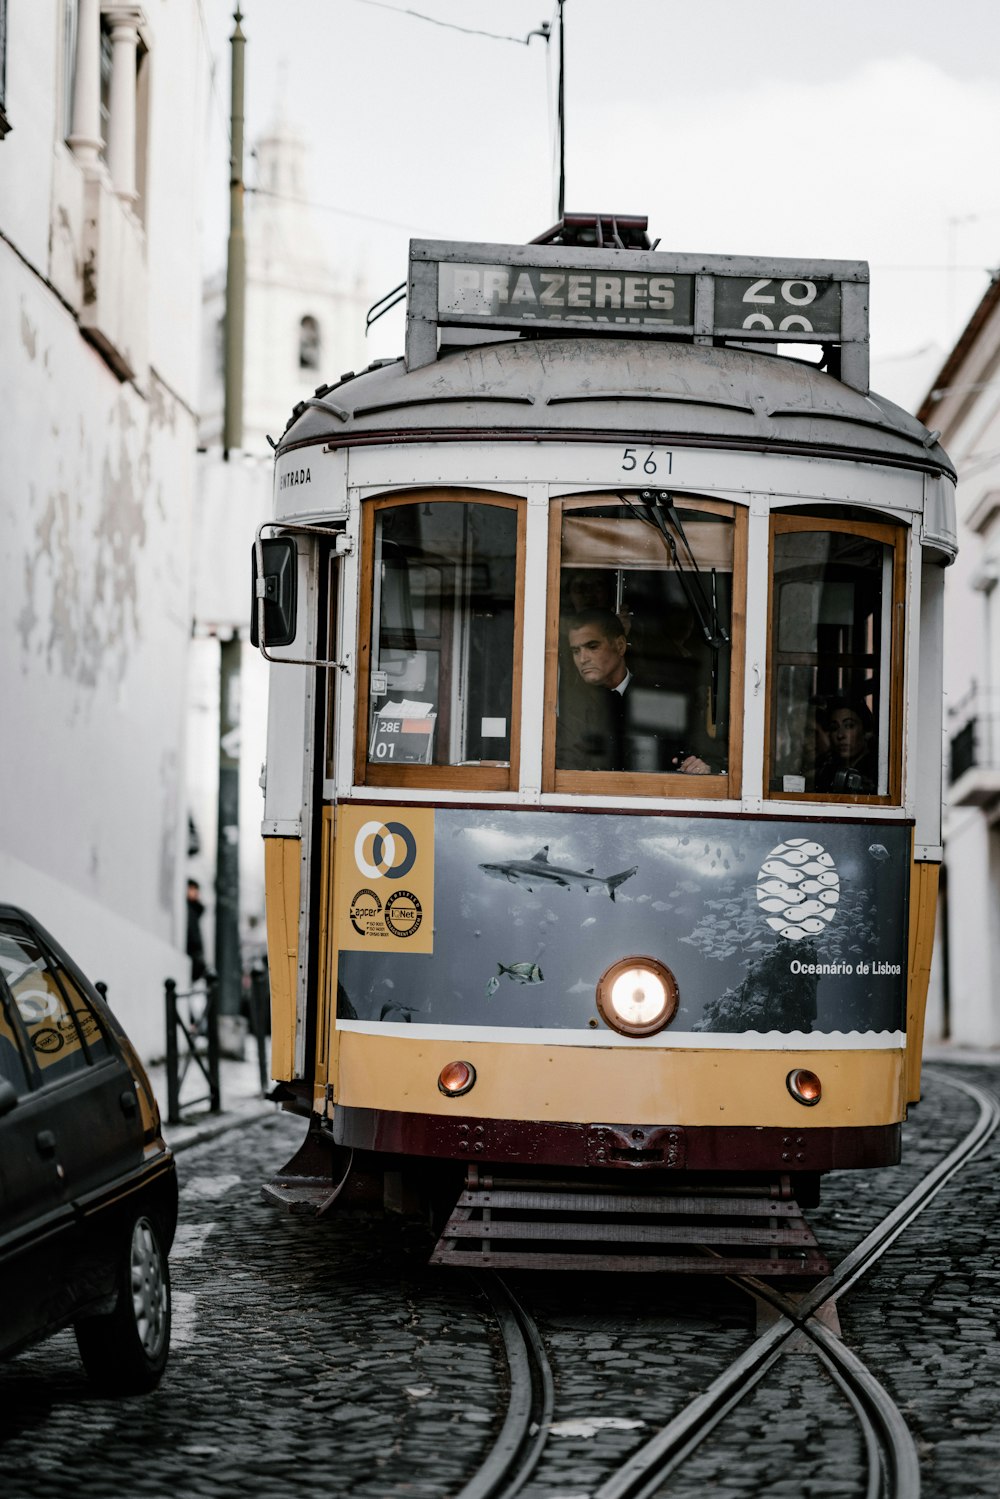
234 498
966 991
96 503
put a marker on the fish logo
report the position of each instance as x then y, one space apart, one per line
798 888
385 850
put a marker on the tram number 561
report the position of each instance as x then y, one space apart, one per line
655 461
791 294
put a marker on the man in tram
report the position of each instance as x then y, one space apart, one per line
612 718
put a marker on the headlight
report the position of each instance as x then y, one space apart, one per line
637 996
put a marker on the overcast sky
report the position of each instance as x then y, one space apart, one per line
858 129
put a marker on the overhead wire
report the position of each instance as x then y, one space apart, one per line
418 15
347 213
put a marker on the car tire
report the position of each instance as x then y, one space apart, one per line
124 1351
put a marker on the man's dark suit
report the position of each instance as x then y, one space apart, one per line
649 727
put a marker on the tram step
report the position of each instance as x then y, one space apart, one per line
758 1230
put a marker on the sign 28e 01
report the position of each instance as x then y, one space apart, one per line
790 306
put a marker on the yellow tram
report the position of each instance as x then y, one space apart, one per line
602 799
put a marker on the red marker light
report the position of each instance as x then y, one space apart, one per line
804 1086
456 1078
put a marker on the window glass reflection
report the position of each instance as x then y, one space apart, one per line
645 606
443 634
832 601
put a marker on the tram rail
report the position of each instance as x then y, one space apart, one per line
518 1448
892 1462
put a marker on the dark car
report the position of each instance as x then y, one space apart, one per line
88 1189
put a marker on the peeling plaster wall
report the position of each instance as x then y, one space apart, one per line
95 511
97 495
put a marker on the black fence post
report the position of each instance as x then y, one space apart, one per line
258 1010
212 1033
173 1077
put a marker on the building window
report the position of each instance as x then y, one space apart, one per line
310 343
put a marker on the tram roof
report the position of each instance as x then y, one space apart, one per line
574 386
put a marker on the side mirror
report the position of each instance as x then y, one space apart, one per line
8 1097
278 587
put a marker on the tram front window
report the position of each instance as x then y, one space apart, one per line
645 639
833 649
442 637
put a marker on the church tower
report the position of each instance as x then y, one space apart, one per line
305 322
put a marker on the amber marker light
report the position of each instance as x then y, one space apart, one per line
456 1078
804 1086
637 996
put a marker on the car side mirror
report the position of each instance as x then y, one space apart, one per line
8 1097
278 587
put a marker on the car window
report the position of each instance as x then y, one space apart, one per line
13 1068
62 1030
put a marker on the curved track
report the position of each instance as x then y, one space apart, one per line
893 1467
516 1451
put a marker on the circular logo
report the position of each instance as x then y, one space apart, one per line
385 850
47 1040
36 1005
402 913
798 888
364 907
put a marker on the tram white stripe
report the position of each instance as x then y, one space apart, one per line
662 1041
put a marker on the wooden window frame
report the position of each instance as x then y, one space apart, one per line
435 777
724 787
890 533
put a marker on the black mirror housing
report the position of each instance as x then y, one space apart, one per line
279 589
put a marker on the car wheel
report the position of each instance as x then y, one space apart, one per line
125 1350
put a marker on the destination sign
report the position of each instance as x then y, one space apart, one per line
555 290
525 292
769 303
399 739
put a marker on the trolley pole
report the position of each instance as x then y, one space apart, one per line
232 435
561 117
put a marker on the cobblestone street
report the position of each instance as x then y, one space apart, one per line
327 1358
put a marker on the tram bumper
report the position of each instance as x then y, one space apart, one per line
632 1147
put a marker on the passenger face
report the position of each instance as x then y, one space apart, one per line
600 662
847 734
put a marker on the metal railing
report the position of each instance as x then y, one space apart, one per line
974 733
192 1038
962 750
260 1022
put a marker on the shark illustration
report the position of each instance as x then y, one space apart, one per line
538 871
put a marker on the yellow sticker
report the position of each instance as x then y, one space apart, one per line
384 882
